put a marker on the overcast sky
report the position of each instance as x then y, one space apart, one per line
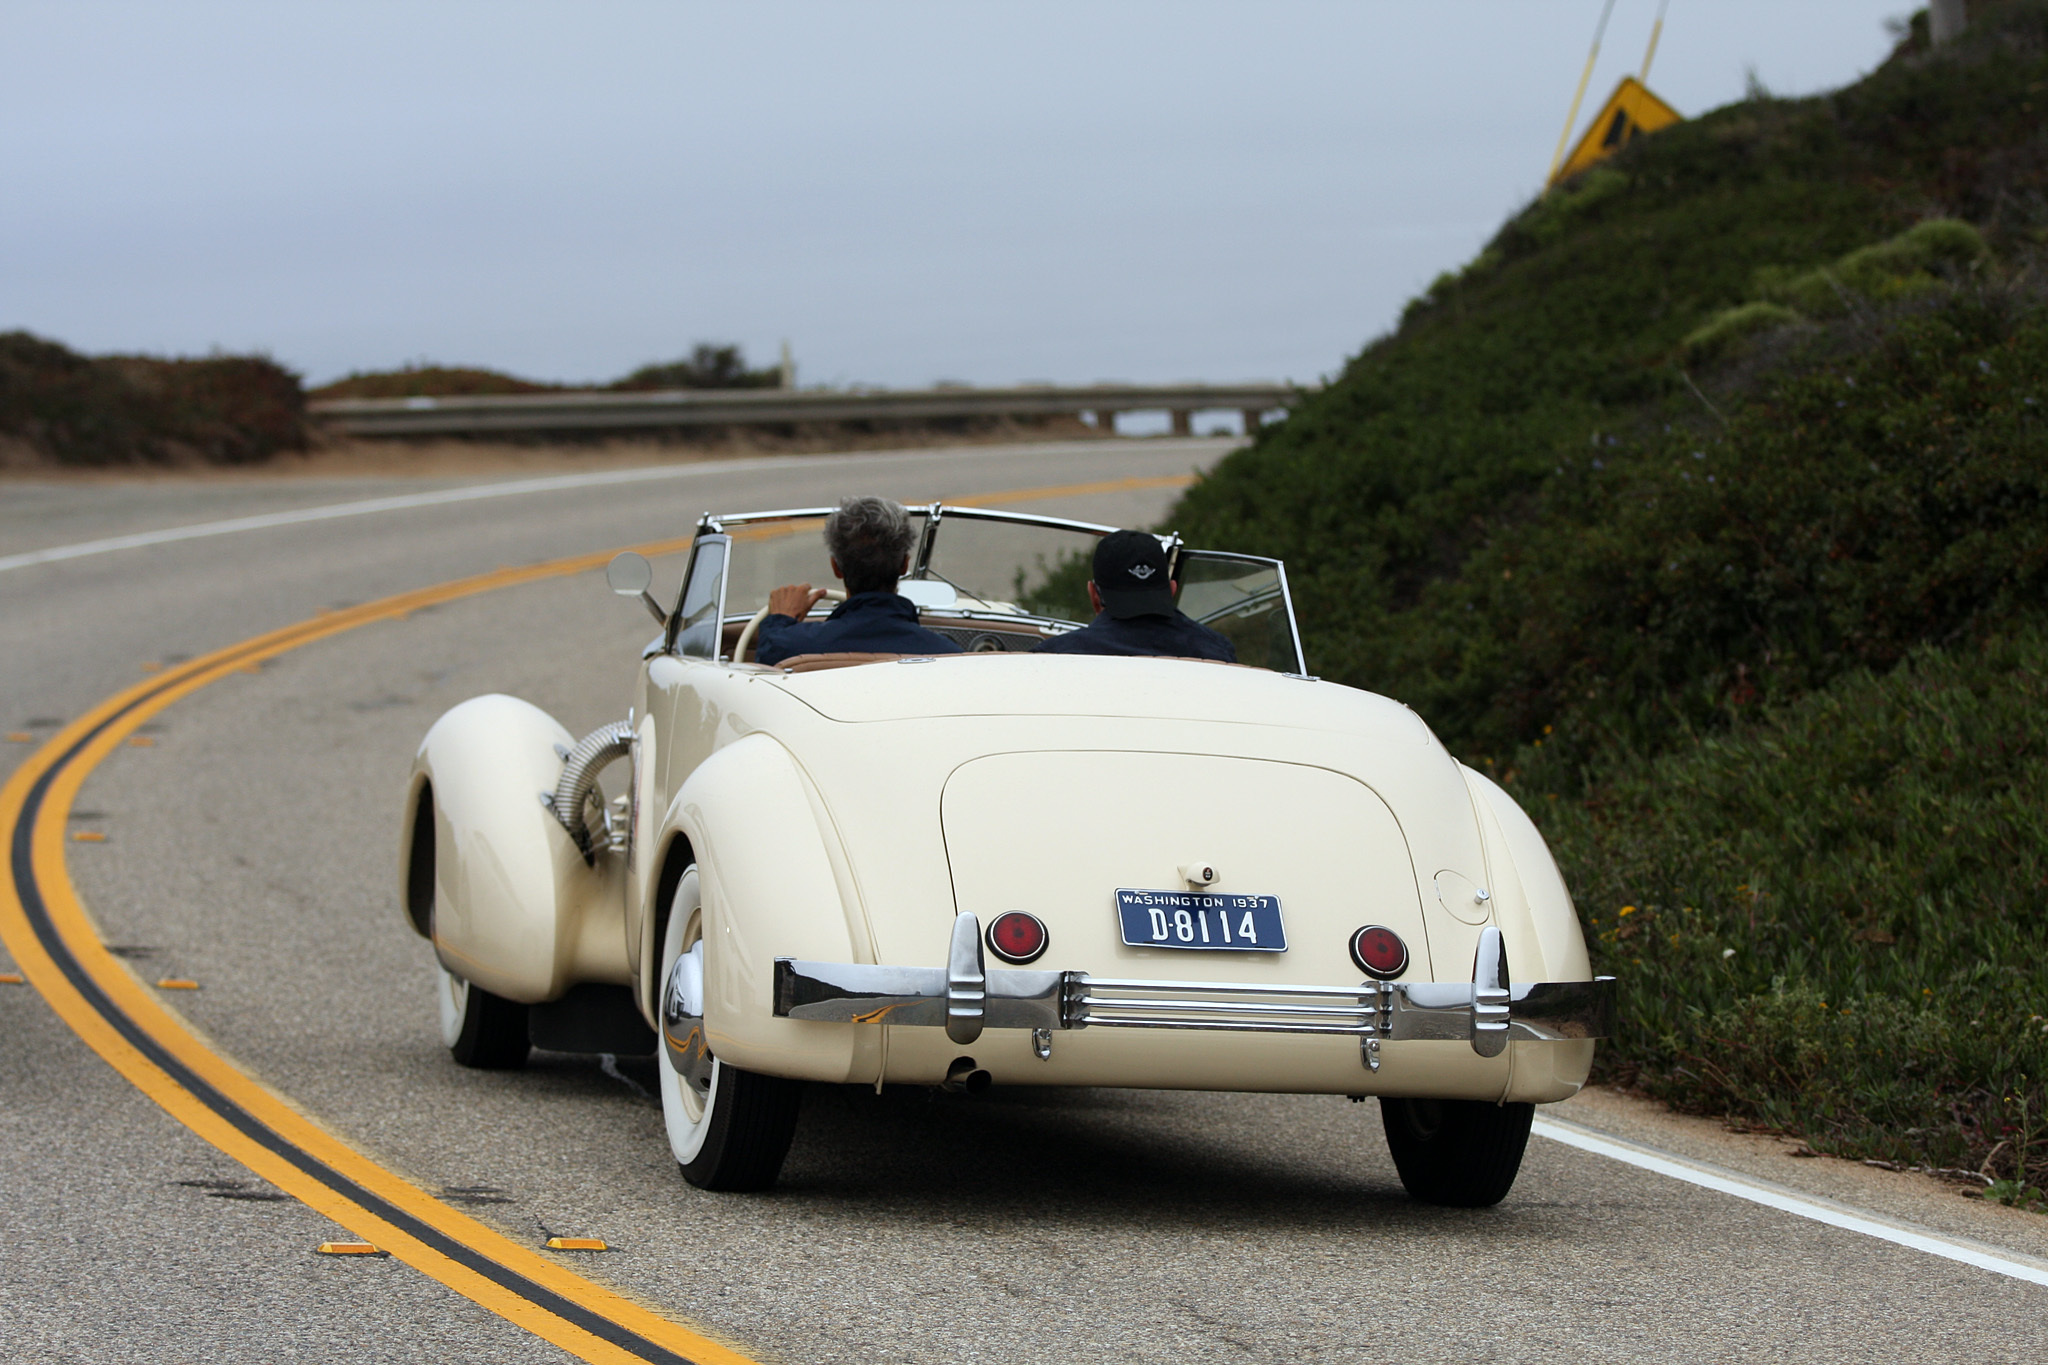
906 192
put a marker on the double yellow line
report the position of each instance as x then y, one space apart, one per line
52 939
50 934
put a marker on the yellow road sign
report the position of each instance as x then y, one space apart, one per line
1629 111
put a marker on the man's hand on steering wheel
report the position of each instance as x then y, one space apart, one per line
794 599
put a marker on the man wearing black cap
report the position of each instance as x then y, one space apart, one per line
1134 610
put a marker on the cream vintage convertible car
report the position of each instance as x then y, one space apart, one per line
998 868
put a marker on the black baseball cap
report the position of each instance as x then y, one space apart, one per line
1130 571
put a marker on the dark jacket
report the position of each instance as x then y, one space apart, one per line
865 623
1174 636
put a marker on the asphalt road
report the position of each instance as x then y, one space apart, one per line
251 849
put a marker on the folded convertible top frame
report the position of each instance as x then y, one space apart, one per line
964 997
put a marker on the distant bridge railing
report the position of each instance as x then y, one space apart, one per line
565 412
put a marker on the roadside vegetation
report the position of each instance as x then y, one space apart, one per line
58 407
708 366
1708 509
426 380
62 407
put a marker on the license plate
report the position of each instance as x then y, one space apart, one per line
1201 919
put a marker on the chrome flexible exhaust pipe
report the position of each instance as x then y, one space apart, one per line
580 767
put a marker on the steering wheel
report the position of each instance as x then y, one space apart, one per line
746 640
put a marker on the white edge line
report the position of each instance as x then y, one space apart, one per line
474 493
1790 1201
400 502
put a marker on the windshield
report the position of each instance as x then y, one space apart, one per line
1244 599
768 554
1015 567
978 568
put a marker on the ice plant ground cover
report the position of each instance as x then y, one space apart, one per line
1754 626
1829 914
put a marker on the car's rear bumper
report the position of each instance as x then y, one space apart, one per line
964 998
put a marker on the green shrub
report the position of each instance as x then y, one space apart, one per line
428 381
1547 219
707 367
121 409
1719 334
1914 262
1661 584
1938 241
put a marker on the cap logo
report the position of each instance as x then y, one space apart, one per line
1141 572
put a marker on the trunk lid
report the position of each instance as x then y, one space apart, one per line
1058 833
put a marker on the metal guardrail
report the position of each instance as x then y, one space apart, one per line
530 412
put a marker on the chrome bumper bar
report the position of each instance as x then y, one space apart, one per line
964 998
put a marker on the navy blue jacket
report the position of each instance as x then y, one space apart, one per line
1176 636
865 623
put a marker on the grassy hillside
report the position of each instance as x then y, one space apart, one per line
1647 508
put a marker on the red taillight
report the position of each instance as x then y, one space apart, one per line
1017 937
1379 952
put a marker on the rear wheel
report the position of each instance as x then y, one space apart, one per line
482 1030
1460 1153
729 1129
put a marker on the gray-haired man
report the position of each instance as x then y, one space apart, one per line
869 540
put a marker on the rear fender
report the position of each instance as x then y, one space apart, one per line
488 873
769 868
1540 931
1530 902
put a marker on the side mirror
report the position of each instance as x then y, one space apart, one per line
629 575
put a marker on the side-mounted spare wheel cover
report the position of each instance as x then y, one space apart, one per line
511 887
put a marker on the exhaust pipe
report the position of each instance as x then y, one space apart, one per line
963 1076
580 767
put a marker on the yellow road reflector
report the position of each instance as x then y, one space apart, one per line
348 1249
141 742
88 836
11 979
20 737
152 667
577 1244
176 983
250 668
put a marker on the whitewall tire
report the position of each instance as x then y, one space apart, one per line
479 1029
729 1129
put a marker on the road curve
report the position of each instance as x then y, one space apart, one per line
247 848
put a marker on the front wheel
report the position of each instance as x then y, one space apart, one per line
1463 1154
481 1030
729 1129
